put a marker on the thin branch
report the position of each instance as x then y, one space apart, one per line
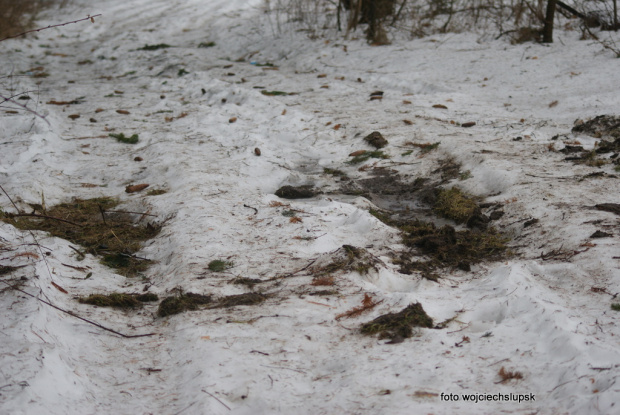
13 203
216 398
75 315
89 17
12 101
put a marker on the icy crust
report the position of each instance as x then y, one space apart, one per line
538 322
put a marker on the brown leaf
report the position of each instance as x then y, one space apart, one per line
323 75
440 106
357 153
295 219
406 102
232 120
99 110
124 112
553 104
257 151
325 86
62 290
468 124
136 188
337 127
74 116
408 122
284 111
119 92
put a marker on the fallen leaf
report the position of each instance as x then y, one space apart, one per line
62 290
257 151
124 112
408 122
99 110
136 188
232 120
295 219
325 86
138 159
553 104
468 124
337 127
323 75
441 106
284 111
406 102
74 116
357 153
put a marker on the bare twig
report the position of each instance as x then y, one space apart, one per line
76 316
89 17
33 112
216 398
7 195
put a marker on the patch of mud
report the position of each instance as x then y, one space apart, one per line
428 215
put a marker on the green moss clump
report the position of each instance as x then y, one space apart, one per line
116 300
615 307
155 47
156 192
181 303
206 44
334 172
274 93
368 155
453 204
217 265
394 325
91 224
127 140
241 299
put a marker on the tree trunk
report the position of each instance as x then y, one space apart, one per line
548 29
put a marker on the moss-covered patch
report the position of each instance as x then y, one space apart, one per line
334 172
455 205
156 192
116 300
121 138
615 306
155 47
394 325
248 282
274 93
217 265
447 247
89 222
346 259
360 158
182 302
5 269
241 299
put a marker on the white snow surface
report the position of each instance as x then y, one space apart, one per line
290 355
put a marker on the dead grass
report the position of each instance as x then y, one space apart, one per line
394 325
455 205
182 302
118 300
88 223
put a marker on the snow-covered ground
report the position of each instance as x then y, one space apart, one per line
548 318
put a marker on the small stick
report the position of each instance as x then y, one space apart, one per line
103 216
217 399
76 316
89 17
7 195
